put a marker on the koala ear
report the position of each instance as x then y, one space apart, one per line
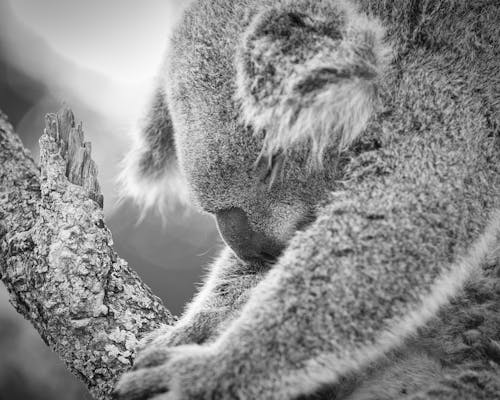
310 78
150 173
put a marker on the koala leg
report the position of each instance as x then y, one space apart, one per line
218 302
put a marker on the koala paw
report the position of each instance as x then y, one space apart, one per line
185 372
162 334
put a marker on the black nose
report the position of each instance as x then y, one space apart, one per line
248 244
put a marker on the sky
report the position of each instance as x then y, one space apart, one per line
123 39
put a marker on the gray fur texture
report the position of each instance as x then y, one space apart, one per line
384 200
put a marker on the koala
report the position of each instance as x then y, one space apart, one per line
349 151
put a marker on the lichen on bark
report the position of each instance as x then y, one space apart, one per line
57 259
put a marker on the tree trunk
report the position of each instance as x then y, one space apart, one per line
57 259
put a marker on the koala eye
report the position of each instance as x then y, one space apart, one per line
268 168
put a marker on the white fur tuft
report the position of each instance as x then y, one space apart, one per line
165 192
334 113
337 115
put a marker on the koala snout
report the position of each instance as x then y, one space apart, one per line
249 245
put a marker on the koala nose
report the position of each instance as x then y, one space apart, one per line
249 245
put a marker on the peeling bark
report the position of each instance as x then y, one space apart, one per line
57 260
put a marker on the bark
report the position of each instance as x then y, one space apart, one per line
57 259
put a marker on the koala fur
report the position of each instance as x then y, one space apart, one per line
350 152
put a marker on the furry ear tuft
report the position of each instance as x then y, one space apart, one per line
150 174
309 79
163 191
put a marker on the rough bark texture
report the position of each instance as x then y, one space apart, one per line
57 260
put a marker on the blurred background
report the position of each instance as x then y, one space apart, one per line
100 58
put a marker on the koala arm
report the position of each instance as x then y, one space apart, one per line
376 265
322 313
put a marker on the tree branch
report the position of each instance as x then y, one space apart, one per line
57 260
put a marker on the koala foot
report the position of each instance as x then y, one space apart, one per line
152 349
162 333
198 372
183 372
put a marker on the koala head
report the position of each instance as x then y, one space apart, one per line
263 101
